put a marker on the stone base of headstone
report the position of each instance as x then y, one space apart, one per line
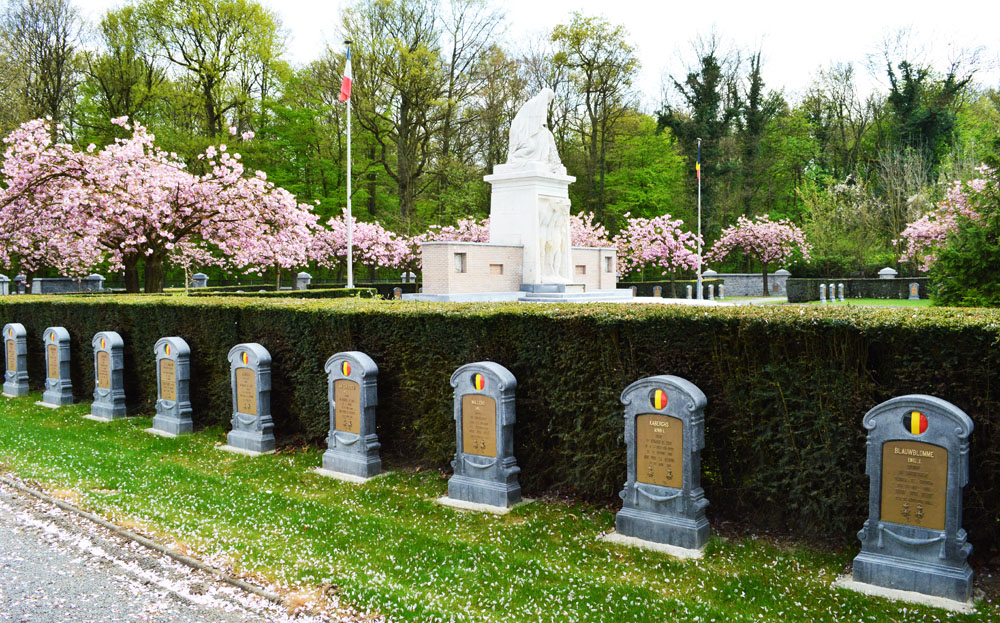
250 441
463 505
47 405
98 418
243 451
670 530
848 582
344 477
939 580
478 491
353 464
158 432
172 425
671 550
107 412
56 398
15 389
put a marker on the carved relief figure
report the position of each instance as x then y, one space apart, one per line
554 239
530 138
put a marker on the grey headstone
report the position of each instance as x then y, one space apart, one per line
916 541
199 280
302 281
352 445
663 501
822 293
15 342
722 291
657 291
250 381
58 384
4 285
173 383
485 471
711 292
635 290
914 291
109 376
397 293
833 293
840 292
689 291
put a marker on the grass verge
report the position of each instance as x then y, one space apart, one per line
389 549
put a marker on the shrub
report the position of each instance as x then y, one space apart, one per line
787 386
966 268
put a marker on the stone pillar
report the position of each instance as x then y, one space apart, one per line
96 283
199 280
887 273
15 342
4 285
20 283
409 277
302 281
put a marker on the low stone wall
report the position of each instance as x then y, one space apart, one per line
804 290
65 285
752 284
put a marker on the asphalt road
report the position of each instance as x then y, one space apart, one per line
58 567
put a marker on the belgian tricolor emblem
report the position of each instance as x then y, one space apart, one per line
658 399
345 367
52 337
479 382
244 358
915 422
166 350
104 344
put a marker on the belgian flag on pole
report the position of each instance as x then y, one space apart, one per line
697 164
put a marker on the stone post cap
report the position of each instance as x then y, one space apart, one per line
303 276
782 273
709 273
20 277
4 278
199 276
887 273
95 276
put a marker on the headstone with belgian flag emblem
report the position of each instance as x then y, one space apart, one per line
173 383
917 463
352 392
15 342
58 383
109 377
663 502
485 468
250 379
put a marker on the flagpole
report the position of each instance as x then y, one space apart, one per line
350 221
698 169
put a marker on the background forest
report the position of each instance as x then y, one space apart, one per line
436 84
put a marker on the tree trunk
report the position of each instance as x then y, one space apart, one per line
131 274
766 292
154 273
673 285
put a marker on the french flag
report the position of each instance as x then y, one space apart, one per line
345 85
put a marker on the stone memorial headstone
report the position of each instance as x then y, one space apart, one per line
689 291
302 281
722 291
250 379
663 502
352 392
833 293
822 293
58 385
109 377
914 291
173 382
635 290
199 280
486 471
840 292
711 292
917 463
397 293
15 378
657 291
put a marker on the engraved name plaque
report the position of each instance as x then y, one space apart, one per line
52 358
11 355
246 391
347 402
104 370
168 380
659 450
914 483
479 425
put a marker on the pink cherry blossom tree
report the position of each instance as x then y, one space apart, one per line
661 242
762 239
372 245
924 237
130 202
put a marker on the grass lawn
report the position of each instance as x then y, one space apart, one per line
878 302
389 549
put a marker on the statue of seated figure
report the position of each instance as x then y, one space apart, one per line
530 138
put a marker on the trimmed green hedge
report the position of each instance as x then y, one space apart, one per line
787 386
331 293
805 290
